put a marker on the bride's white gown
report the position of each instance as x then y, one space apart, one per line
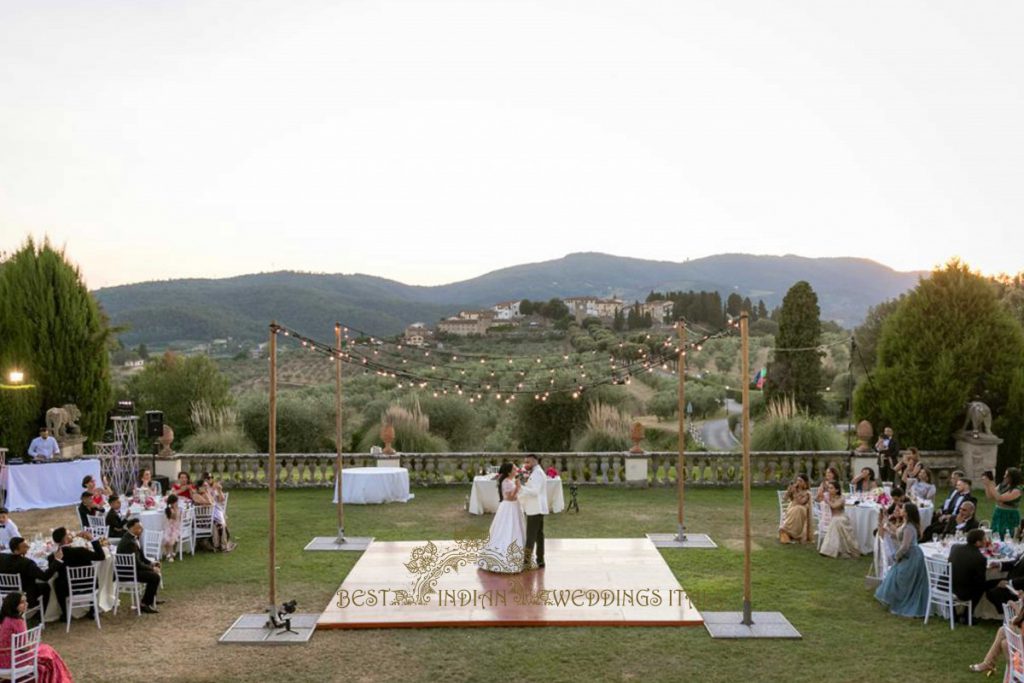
504 550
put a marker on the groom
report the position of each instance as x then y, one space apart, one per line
534 498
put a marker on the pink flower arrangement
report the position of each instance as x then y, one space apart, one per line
552 473
150 503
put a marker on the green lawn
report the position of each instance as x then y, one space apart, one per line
847 634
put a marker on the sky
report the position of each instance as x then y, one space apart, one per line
431 141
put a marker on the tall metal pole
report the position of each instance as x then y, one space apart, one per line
745 378
272 466
337 431
681 463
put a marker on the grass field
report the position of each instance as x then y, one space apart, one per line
848 636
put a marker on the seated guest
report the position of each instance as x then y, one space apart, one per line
951 506
183 488
831 474
796 526
905 587
99 494
8 529
201 494
840 540
115 522
147 572
146 481
44 446
920 486
68 556
34 581
964 521
968 565
12 613
988 665
865 481
86 507
907 464
1009 589
899 497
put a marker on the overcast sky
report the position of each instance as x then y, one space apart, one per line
432 141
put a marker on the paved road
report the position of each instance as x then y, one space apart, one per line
716 434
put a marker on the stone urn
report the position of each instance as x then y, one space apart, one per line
387 435
636 433
865 432
165 441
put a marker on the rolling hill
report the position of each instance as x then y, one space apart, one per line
241 307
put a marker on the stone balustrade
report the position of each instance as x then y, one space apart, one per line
705 469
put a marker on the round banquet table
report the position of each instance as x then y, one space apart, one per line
38 552
370 485
864 518
484 496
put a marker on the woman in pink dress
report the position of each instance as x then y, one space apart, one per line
51 667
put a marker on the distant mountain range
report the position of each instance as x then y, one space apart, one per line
241 307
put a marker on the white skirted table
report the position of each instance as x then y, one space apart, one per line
38 552
47 484
484 496
864 518
371 485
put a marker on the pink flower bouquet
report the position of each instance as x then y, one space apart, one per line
552 473
150 503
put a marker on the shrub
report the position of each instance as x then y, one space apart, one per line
412 432
607 430
785 428
454 420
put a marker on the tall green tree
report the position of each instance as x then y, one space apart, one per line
734 305
174 383
949 341
53 330
795 369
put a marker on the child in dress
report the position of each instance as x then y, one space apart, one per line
172 527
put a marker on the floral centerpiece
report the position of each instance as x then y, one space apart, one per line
881 497
552 473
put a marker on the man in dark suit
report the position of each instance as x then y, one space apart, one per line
115 522
969 567
947 514
146 571
86 508
34 581
1008 590
67 556
964 521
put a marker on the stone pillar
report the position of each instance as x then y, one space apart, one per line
979 454
71 446
636 469
167 467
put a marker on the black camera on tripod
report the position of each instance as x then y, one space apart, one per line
281 617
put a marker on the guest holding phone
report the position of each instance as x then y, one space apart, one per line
1006 517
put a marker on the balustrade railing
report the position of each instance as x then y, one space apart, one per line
704 469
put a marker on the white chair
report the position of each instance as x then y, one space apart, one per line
82 591
187 532
11 583
126 580
99 532
1014 656
881 561
24 656
152 547
783 507
202 526
1010 610
940 592
96 520
820 521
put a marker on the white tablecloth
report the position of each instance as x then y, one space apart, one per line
47 485
864 518
484 496
366 485
152 520
104 583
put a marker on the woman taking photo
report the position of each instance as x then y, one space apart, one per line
12 612
905 587
1006 517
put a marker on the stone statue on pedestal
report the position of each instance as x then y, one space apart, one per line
165 441
63 421
979 446
979 416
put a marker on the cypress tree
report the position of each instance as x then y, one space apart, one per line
55 332
797 373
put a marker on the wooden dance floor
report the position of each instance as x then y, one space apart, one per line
588 582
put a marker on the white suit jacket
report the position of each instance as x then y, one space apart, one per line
533 496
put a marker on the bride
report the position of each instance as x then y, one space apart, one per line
504 550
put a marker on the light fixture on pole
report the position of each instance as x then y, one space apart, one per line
16 380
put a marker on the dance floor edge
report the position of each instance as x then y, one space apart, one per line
587 582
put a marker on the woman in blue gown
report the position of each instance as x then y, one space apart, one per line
905 587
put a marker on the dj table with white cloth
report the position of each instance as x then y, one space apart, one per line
864 518
367 485
484 496
48 484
